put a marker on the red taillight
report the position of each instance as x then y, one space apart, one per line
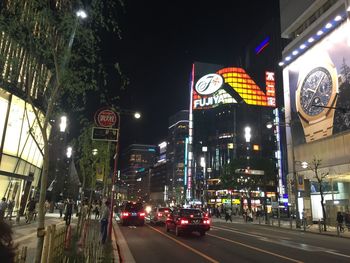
142 214
191 216
125 214
184 221
160 214
206 214
166 211
206 221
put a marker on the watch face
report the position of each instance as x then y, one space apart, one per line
316 91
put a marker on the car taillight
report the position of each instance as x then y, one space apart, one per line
206 221
166 211
160 214
142 214
125 214
184 221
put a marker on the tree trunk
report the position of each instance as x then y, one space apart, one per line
323 211
41 211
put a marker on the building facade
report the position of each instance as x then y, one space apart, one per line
22 72
176 152
135 160
316 84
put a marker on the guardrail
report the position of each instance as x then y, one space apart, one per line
55 242
21 255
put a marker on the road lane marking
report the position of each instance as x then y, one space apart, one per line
255 248
337 254
186 246
287 242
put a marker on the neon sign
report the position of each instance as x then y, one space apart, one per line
209 92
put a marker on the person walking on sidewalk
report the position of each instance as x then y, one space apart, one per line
30 210
69 211
104 221
340 221
10 207
3 206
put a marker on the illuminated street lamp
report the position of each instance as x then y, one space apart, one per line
81 14
63 124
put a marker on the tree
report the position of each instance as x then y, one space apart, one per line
320 177
51 56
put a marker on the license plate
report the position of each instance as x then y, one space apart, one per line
134 214
196 221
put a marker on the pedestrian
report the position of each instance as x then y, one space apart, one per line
7 247
30 210
69 211
47 207
228 214
10 207
97 211
3 206
104 221
60 208
340 221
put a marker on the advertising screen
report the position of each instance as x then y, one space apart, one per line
215 85
317 88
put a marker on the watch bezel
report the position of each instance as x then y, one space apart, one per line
322 115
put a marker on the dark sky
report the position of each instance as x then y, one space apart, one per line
161 40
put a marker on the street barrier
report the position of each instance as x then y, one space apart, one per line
55 241
21 255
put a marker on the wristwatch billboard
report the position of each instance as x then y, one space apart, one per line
316 96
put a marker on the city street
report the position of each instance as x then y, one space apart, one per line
231 242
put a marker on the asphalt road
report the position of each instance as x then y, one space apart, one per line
234 242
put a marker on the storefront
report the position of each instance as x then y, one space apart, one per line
21 147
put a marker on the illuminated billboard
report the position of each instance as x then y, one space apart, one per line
317 88
214 86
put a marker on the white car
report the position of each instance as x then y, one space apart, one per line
159 215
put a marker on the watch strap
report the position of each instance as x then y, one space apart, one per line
319 130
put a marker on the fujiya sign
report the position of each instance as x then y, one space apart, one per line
106 118
208 91
209 84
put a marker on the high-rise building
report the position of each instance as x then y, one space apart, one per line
135 160
176 152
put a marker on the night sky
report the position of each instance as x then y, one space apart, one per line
161 40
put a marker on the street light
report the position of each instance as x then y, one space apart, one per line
81 13
269 125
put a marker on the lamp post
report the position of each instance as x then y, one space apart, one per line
269 125
136 115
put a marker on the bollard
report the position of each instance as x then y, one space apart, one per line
291 222
259 220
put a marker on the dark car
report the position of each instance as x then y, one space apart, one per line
132 213
159 215
187 220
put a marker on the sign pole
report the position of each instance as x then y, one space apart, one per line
110 223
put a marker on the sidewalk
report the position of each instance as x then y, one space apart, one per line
287 224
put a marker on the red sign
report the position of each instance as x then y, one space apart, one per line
106 118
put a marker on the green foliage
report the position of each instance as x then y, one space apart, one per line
87 161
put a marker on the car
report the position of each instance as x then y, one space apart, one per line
132 213
159 215
187 220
